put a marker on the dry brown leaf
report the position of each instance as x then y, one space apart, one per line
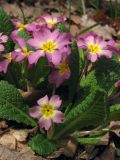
20 146
69 147
74 30
91 151
8 140
105 31
3 124
104 140
75 19
101 16
115 127
20 134
11 9
30 96
72 146
25 154
56 154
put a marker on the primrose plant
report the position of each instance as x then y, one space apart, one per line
54 83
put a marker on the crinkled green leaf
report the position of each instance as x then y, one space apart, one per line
107 72
42 146
90 112
12 105
89 81
87 85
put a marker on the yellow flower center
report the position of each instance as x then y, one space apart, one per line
47 110
21 26
51 22
94 48
63 67
49 46
9 57
26 52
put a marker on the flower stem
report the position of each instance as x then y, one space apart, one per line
23 15
70 3
50 132
83 6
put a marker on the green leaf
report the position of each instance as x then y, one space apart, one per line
118 152
62 28
42 146
114 112
89 140
107 72
89 81
91 112
74 66
23 35
87 85
12 105
6 27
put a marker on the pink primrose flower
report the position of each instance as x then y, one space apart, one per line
50 44
7 59
47 112
52 20
60 73
95 46
22 52
20 26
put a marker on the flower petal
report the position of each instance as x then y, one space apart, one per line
4 38
1 48
59 116
43 100
21 42
92 58
55 101
4 65
45 123
34 57
34 112
55 77
34 42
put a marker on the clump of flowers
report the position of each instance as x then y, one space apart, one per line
46 61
